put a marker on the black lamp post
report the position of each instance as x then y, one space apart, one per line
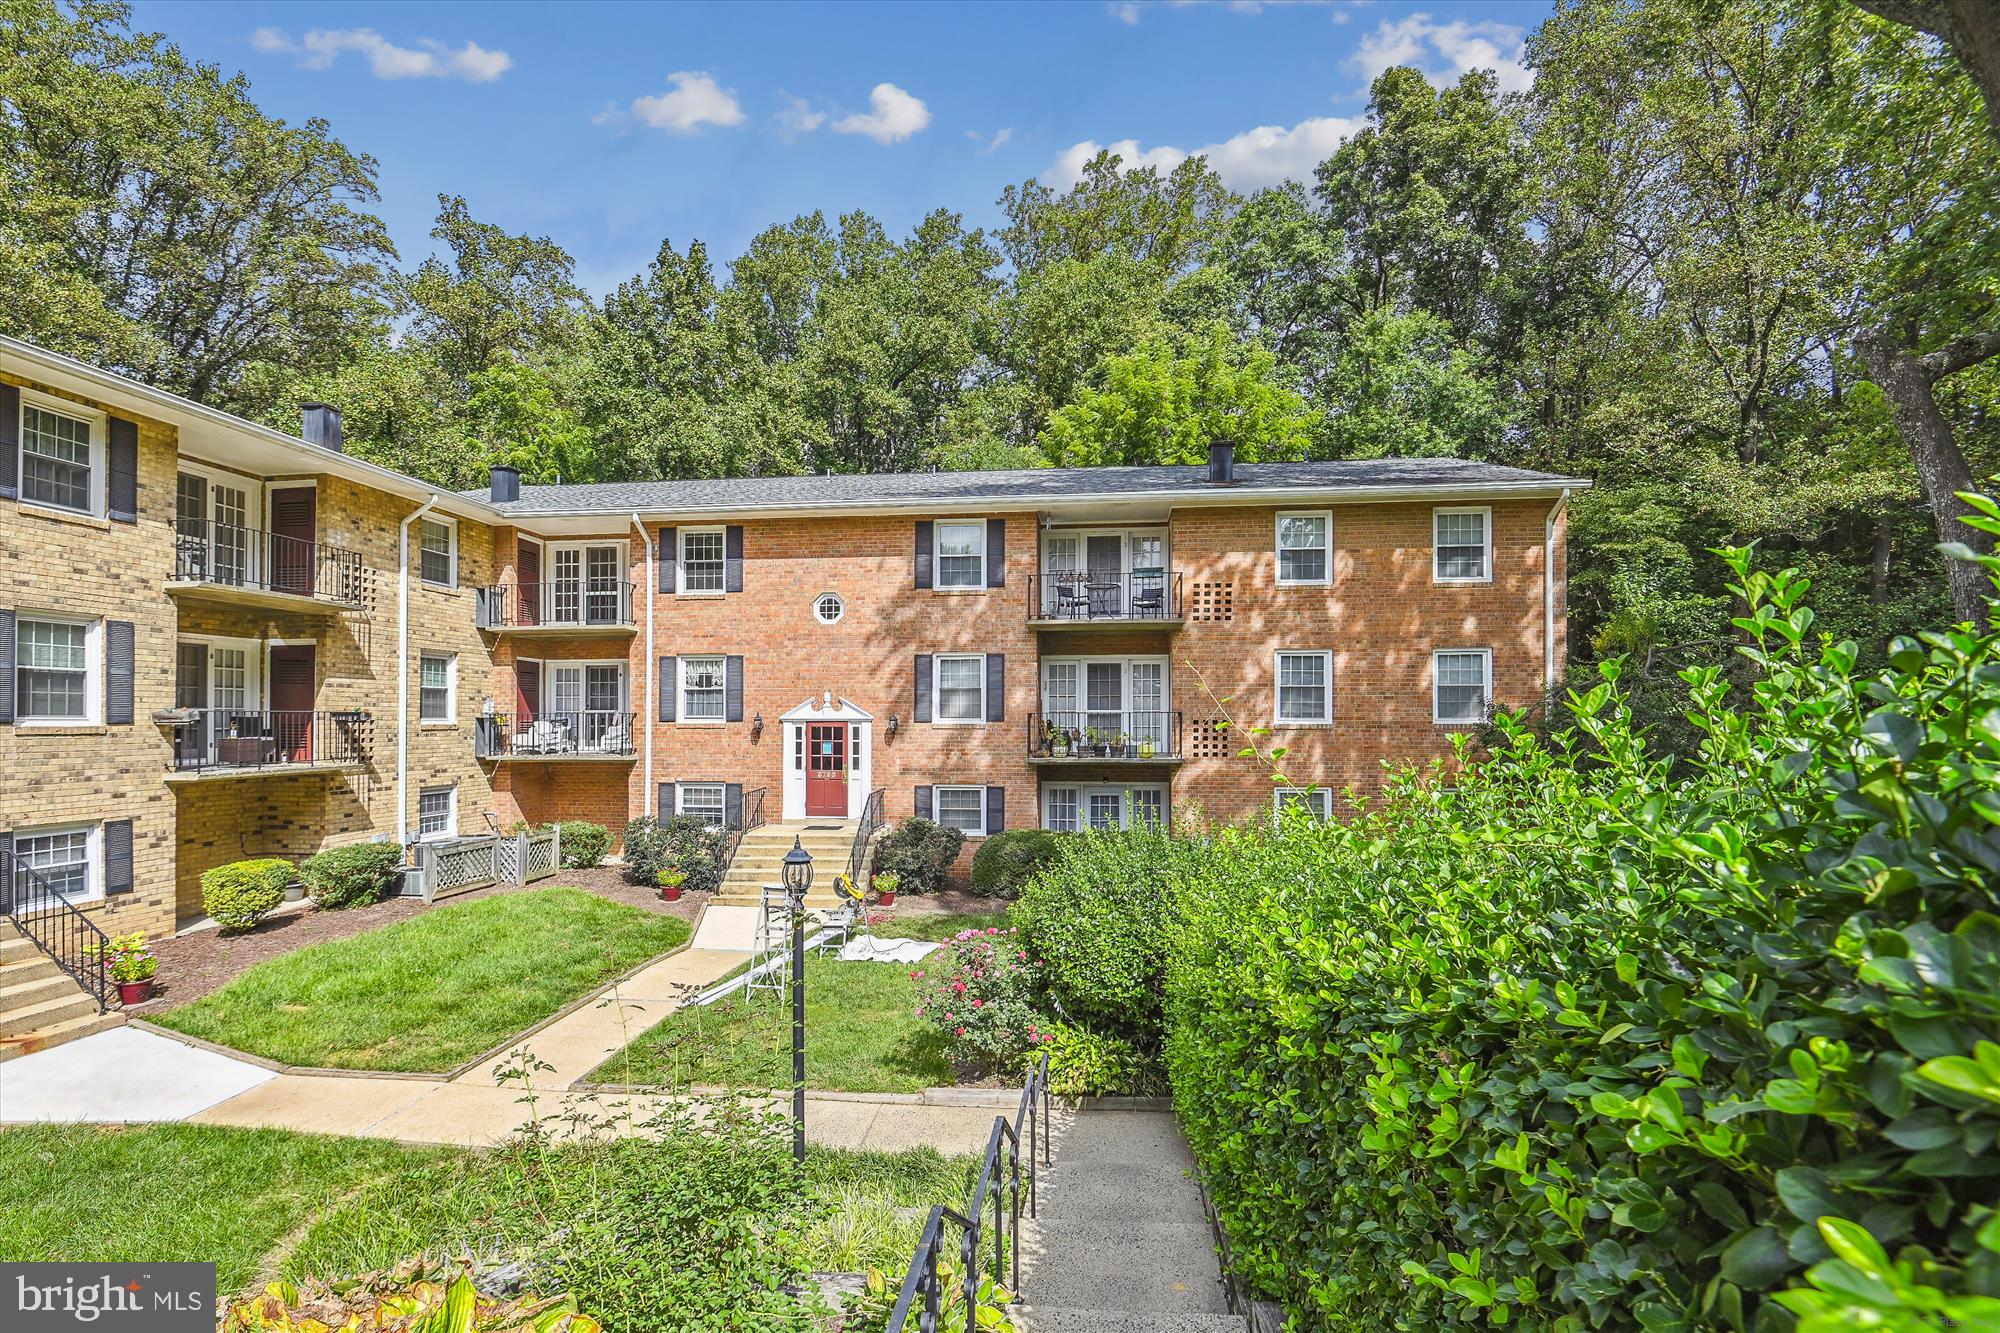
798 875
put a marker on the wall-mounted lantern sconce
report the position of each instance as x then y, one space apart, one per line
895 725
756 726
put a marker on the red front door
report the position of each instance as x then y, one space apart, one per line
826 768
291 704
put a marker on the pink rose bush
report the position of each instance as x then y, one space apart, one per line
976 989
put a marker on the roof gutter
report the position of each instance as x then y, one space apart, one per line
403 672
651 664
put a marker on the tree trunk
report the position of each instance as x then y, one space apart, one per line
1970 28
1906 380
1878 565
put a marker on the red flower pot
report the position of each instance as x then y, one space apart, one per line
135 992
885 899
670 893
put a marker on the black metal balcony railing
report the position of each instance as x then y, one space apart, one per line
229 556
1109 594
585 603
1146 734
555 735
223 739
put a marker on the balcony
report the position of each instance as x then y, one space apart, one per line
238 566
575 737
576 606
1143 737
1080 599
236 742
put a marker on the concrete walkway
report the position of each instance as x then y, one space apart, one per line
127 1075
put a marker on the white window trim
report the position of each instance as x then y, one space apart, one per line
680 562
1085 790
256 662
1277 549
1325 719
450 830
93 671
938 557
937 806
722 806
1318 802
681 717
450 718
1487 557
450 525
93 854
1486 684
99 424
937 690
840 602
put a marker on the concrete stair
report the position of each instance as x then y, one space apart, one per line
40 1006
760 858
1121 1243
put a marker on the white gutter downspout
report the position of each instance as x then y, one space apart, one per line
650 666
1549 598
403 674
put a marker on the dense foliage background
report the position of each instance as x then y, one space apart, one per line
1686 263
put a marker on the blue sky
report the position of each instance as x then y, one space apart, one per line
610 127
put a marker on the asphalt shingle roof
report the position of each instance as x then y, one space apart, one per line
1025 485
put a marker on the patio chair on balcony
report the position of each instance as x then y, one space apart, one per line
1072 596
616 738
1149 599
545 735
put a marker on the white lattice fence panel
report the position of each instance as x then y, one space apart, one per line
541 856
506 861
468 864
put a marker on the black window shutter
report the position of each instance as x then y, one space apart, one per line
996 552
924 554
118 671
6 666
923 708
996 687
996 810
670 555
10 439
922 808
732 804
732 558
121 471
665 809
118 856
732 689
668 686
6 872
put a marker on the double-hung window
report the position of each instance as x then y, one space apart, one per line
702 689
962 808
54 679
437 812
64 859
703 800
437 552
1462 684
1462 540
59 459
961 688
1315 801
437 678
1305 687
702 566
1305 544
961 555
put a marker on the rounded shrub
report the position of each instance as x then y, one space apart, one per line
239 895
1004 861
360 872
583 843
1096 914
920 854
684 843
1084 1063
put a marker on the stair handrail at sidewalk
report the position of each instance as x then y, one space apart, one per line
751 816
922 1282
871 820
53 924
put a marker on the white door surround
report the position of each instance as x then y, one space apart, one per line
860 723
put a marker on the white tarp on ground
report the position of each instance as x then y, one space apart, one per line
868 949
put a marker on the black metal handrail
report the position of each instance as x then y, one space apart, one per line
752 816
1105 594
923 1283
229 555
216 739
53 923
555 735
556 604
871 820
1106 734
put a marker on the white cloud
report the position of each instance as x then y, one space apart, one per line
1068 168
1252 160
797 116
1001 139
428 59
695 100
896 116
1460 46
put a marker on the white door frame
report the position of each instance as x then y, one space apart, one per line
860 743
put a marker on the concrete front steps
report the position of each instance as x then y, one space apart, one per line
40 1006
760 858
1121 1243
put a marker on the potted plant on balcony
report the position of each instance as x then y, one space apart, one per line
1148 747
670 881
1058 740
1122 745
886 885
132 967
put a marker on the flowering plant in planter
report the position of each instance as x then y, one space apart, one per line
975 989
131 965
670 881
886 885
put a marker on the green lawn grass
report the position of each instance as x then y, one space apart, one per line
429 993
937 925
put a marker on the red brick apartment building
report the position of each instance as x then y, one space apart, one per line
220 640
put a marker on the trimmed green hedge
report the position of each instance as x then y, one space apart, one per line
1006 861
920 854
1097 914
349 876
583 843
238 895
